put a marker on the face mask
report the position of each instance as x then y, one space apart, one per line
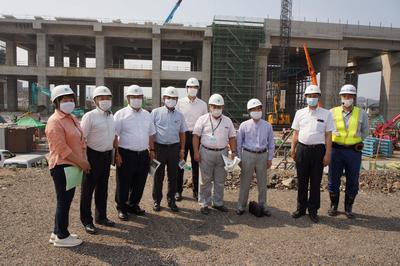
135 103
170 103
105 105
216 112
67 107
312 101
256 115
192 92
347 103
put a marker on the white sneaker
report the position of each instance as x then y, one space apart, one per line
53 237
67 242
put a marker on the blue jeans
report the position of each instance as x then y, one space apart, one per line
349 161
64 199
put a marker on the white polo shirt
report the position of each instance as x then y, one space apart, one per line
312 125
214 133
99 130
191 110
134 128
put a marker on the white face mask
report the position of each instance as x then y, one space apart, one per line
347 103
105 105
170 103
67 107
256 115
136 103
192 92
216 112
312 101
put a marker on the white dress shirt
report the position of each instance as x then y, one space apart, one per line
99 130
312 125
191 110
134 128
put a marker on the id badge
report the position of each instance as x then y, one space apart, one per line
212 139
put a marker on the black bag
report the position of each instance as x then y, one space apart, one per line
256 209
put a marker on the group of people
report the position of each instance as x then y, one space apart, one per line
133 137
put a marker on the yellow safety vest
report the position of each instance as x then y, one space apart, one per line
346 137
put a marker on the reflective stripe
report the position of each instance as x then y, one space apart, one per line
346 137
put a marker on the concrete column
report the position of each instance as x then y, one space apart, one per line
262 61
58 53
156 67
43 99
82 95
390 85
11 53
332 65
352 78
12 98
73 57
109 55
31 58
2 94
206 65
100 50
82 58
42 63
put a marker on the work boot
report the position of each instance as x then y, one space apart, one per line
348 206
334 203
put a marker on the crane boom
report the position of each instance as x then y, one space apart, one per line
310 66
171 14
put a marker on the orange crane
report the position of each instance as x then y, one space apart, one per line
311 70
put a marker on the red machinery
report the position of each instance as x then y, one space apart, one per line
388 130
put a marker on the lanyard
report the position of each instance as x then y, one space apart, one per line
212 126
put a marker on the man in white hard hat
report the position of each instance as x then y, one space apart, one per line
192 108
311 150
135 130
170 146
211 135
256 146
351 128
99 131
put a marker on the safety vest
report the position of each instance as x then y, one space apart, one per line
346 136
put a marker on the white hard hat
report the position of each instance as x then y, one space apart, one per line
134 90
192 82
101 91
60 90
216 99
171 92
311 89
253 103
348 89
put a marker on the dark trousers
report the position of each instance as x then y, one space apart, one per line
64 199
167 155
195 165
348 160
131 178
309 164
96 181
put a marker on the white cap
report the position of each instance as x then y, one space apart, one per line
171 92
101 91
253 103
311 89
348 89
216 99
61 90
193 82
134 90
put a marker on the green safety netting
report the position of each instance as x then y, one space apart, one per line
30 122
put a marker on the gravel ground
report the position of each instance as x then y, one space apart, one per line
27 201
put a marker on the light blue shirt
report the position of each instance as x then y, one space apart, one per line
256 136
168 125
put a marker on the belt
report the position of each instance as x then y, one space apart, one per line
356 147
101 152
213 149
312 145
131 151
260 151
167 145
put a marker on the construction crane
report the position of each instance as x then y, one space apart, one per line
310 66
171 14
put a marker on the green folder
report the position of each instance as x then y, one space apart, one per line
73 176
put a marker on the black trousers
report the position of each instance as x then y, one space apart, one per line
64 199
131 178
96 181
167 155
195 165
309 164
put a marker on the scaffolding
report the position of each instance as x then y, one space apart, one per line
235 70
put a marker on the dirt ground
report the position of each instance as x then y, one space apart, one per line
27 201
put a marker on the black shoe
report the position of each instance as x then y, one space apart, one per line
123 216
195 196
298 214
106 222
239 212
205 210
90 229
156 207
314 217
334 204
135 209
178 196
173 207
221 208
266 213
